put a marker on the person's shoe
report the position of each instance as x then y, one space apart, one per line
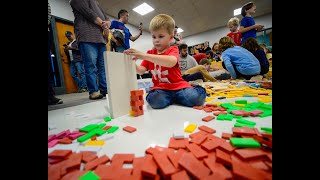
95 95
104 93
84 90
53 100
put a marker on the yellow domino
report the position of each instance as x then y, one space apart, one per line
190 128
95 143
240 105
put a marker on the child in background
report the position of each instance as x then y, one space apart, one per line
203 68
237 60
234 33
216 52
248 27
252 45
163 63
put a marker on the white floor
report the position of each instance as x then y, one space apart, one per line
155 127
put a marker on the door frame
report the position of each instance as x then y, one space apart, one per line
62 89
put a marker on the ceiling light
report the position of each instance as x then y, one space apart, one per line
143 9
237 11
179 30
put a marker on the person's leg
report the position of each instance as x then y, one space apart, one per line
159 99
73 73
101 69
51 98
194 96
89 54
193 77
82 79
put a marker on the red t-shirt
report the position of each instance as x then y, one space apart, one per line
236 37
163 77
199 56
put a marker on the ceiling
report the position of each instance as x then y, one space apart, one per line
193 16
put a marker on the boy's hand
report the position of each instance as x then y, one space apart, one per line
134 52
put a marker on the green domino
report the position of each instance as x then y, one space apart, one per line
266 113
266 106
107 119
266 129
245 142
100 131
89 176
244 121
241 101
89 128
86 136
101 125
225 117
237 124
113 129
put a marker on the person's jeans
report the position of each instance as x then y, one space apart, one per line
120 49
92 56
193 77
75 68
194 96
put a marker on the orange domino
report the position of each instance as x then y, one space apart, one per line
208 118
129 129
206 129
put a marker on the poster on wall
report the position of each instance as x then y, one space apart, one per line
198 48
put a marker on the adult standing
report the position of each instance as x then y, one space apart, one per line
92 28
123 18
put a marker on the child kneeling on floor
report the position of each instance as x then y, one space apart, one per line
237 60
163 62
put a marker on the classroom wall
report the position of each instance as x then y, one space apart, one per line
214 35
62 9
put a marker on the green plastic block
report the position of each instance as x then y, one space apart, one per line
244 121
238 124
227 105
265 114
113 129
107 119
245 142
256 104
228 117
90 175
266 106
266 129
234 108
242 101
100 131
86 136
89 128
100 126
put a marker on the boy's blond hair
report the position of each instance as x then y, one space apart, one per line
233 22
162 21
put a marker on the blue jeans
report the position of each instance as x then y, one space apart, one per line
120 49
92 56
75 67
194 96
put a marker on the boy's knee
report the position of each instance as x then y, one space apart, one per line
158 100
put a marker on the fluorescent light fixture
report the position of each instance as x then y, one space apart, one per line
237 11
143 9
179 30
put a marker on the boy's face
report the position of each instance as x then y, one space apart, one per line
161 39
233 28
252 10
